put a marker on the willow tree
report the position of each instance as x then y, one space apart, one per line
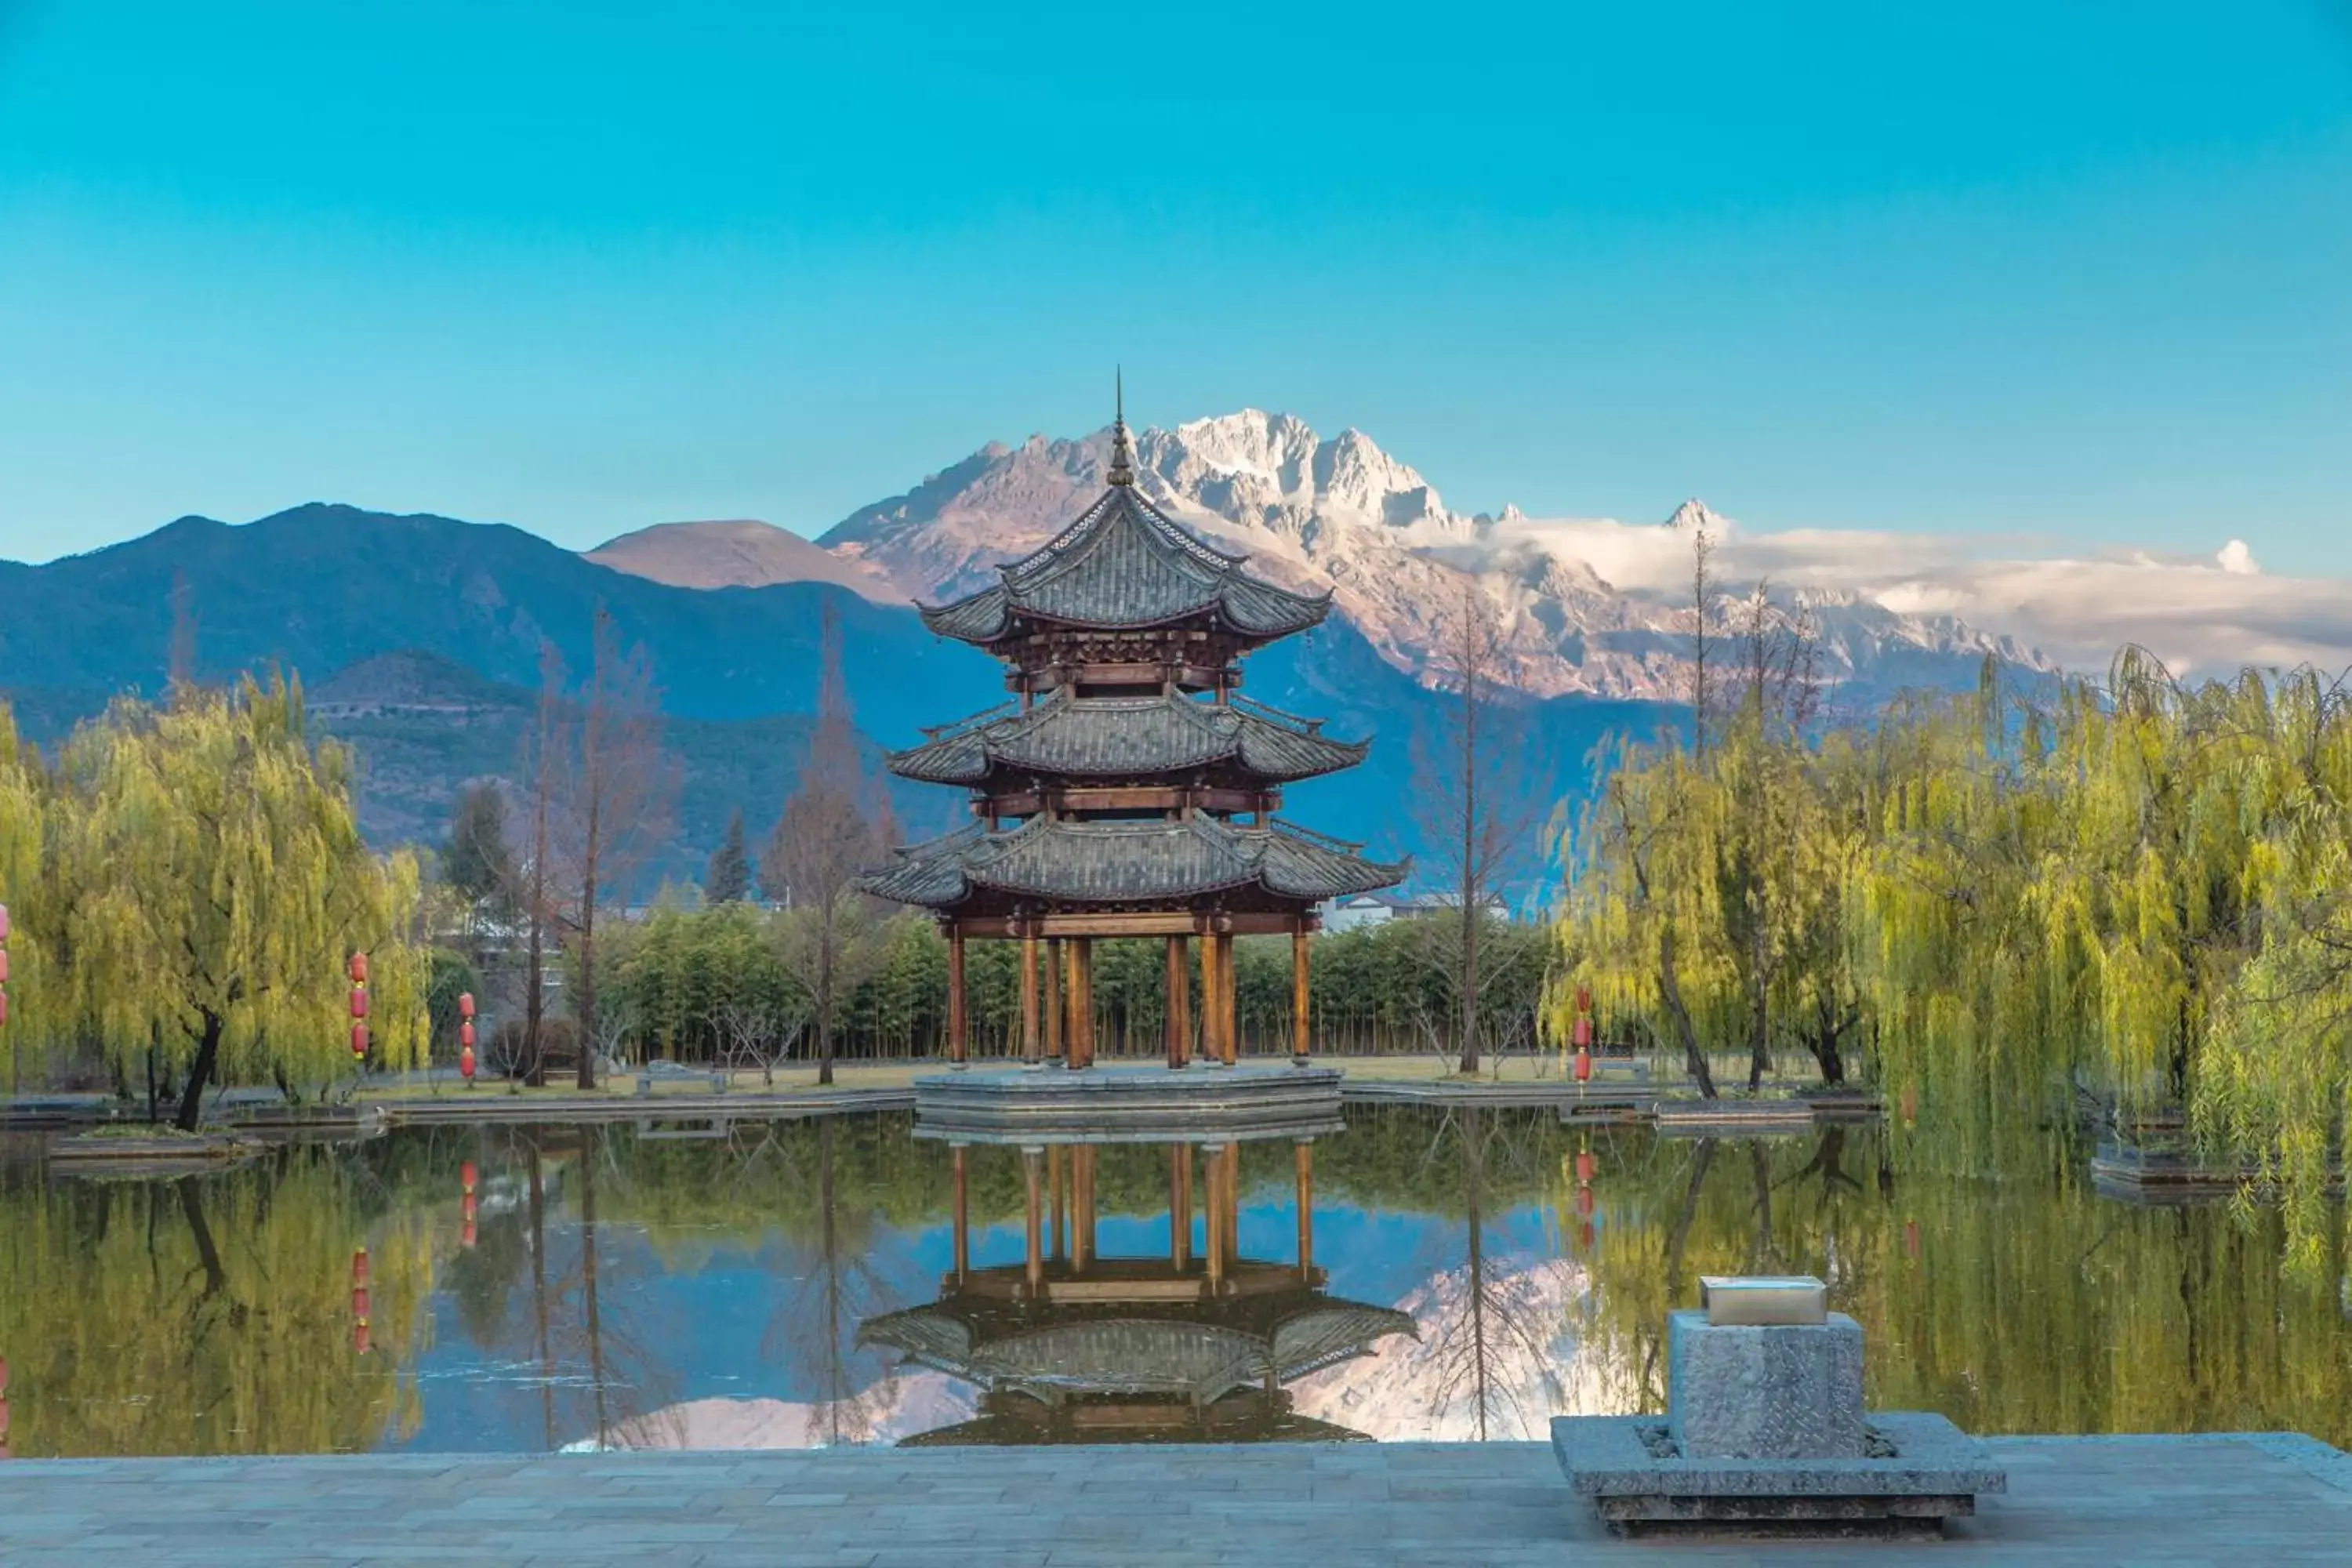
218 884
23 889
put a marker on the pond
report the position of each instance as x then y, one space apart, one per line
1469 1273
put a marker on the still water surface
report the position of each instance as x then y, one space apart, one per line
794 1283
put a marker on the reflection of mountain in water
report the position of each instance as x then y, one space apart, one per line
1491 1359
888 1412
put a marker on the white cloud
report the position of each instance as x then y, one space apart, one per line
2236 557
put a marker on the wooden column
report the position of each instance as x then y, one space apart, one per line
1213 1174
1033 1160
1180 1206
1298 1035
1233 1203
1029 1041
1213 1051
1305 1154
957 1045
1057 1005
1082 1001
1058 1203
1229 1033
1179 1004
1082 1207
962 1220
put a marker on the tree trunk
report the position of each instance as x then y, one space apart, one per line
200 1073
1469 983
1760 1043
825 999
587 1007
590 1144
1670 987
1825 1048
538 1295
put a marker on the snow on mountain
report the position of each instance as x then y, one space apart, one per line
736 553
1589 608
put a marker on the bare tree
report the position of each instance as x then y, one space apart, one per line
1702 604
832 936
531 883
619 788
751 1033
1481 792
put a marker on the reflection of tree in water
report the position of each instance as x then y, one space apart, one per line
205 1314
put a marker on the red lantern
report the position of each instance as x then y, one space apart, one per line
4 923
466 1033
3 967
1584 1202
466 1234
359 969
466 1005
465 1061
360 1302
1583 1065
361 1343
467 1176
1584 1166
358 1004
1584 1234
359 1266
359 1041
1583 1036
1584 999
1910 1106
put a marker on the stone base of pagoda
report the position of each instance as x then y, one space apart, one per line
1126 1104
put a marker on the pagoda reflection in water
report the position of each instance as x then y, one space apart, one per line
1191 1344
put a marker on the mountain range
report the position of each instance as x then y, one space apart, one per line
420 636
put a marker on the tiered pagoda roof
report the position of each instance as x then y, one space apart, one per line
1116 863
1125 737
1112 789
1124 564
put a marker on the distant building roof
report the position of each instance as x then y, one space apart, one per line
1126 565
1127 737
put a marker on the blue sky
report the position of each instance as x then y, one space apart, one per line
2081 269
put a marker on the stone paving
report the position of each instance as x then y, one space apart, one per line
2092 1501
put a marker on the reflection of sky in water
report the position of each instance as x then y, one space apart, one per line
710 1324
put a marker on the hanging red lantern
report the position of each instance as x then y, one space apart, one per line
1584 1202
359 969
466 1033
1584 1166
361 1342
1584 1234
1584 999
3 967
466 1005
467 1177
359 1266
465 1061
359 1041
1910 1106
1583 1065
4 923
1582 1035
358 1004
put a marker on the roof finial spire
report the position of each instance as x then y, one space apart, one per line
1122 451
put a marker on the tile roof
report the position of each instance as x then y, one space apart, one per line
1127 737
1125 563
1125 861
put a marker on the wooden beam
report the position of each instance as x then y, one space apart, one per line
1029 1042
1113 923
1178 1004
1058 1203
957 1045
1212 1050
1298 997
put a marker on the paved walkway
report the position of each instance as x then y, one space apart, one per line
2097 1502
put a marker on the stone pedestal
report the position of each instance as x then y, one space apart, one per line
1790 1391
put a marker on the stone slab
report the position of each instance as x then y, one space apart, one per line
1607 1458
2073 1502
1052 1104
1786 1391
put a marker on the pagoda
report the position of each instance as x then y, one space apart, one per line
1125 790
